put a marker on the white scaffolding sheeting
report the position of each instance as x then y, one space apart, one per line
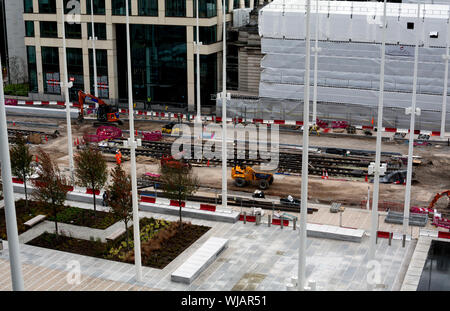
349 62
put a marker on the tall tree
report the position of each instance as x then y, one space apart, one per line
119 197
21 160
178 182
50 185
91 170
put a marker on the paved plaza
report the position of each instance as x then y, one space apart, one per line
257 258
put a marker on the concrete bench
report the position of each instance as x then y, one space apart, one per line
35 220
199 261
115 234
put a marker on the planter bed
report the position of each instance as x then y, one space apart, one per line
67 214
159 246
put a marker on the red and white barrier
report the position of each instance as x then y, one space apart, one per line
167 115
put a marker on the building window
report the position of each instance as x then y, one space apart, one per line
118 7
207 35
28 6
73 31
99 7
32 69
72 7
410 25
100 30
206 8
47 6
208 78
176 8
49 29
159 64
29 28
102 72
50 69
148 7
236 4
75 71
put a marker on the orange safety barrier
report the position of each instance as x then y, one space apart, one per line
207 207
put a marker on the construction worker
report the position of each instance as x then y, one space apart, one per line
118 157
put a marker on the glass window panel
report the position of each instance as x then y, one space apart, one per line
72 7
207 8
207 35
28 6
208 78
73 31
74 58
47 6
118 7
102 72
159 64
176 8
29 28
49 29
50 68
148 7
99 7
100 30
32 71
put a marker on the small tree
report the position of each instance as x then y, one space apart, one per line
21 160
119 197
51 185
178 183
91 170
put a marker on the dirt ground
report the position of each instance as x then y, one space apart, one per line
433 174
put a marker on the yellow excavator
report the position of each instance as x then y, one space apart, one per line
243 176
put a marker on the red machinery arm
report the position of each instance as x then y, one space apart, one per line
82 98
437 197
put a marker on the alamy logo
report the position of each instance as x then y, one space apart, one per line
74 14
248 141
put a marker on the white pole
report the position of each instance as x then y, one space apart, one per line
65 86
8 197
411 133
199 116
224 112
136 230
316 56
304 189
93 38
368 198
446 56
376 182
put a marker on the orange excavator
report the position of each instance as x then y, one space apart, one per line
437 197
106 114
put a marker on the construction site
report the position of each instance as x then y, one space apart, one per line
377 189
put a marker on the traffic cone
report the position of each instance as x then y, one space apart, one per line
37 159
326 174
46 138
78 142
14 123
323 174
207 163
367 179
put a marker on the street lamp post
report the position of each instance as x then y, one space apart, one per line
224 112
132 144
413 111
93 38
197 46
376 168
8 194
66 85
304 189
316 51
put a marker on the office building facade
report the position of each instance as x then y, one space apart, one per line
162 48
